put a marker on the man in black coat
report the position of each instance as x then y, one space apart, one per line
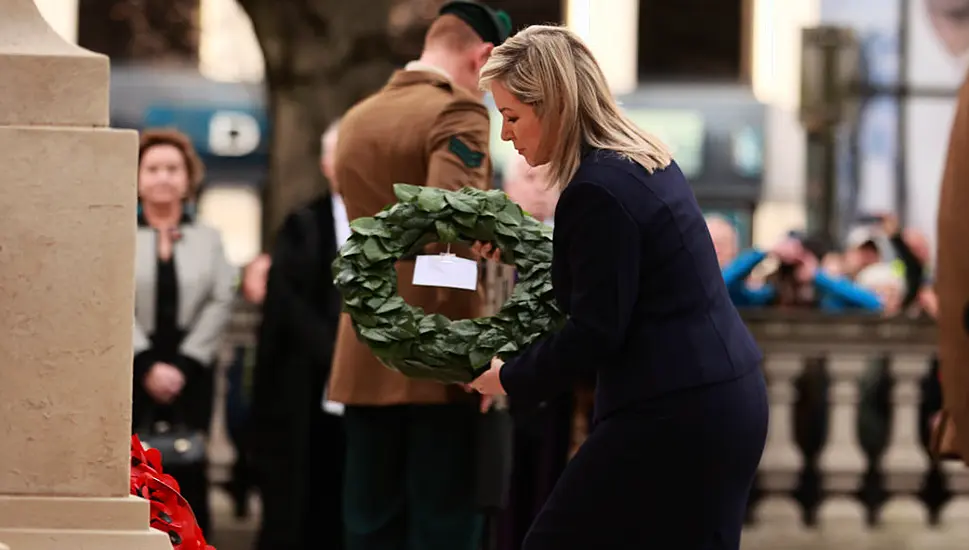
298 447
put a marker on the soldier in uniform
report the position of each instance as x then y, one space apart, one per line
410 443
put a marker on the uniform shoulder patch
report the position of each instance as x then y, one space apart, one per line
470 157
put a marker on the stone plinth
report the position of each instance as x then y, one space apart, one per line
67 216
56 523
47 81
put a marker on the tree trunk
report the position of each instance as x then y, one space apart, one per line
322 56
141 30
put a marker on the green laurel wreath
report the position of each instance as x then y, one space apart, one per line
431 346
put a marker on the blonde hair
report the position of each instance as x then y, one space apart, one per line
552 70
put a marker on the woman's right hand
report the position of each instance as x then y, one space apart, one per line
486 250
164 382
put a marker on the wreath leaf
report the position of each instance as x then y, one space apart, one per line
431 346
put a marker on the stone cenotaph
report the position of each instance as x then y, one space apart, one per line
67 220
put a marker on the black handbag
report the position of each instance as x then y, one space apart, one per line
178 444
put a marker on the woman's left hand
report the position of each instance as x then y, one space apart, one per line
486 251
489 383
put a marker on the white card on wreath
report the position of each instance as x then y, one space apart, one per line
446 270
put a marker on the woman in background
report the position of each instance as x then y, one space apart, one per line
183 299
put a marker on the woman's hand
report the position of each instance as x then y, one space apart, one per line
486 250
164 382
254 278
489 384
889 224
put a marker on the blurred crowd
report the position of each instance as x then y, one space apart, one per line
289 440
880 267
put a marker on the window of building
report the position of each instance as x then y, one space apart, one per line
690 40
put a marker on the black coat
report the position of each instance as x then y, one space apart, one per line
680 405
635 270
297 450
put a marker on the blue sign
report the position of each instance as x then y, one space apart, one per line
219 132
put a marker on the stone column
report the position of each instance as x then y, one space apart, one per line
905 463
842 461
782 461
955 513
776 82
67 211
611 30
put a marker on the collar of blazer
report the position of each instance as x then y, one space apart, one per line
186 218
427 68
416 73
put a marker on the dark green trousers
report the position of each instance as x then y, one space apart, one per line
410 478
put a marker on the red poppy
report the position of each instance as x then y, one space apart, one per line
170 512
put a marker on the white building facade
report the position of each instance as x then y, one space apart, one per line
887 168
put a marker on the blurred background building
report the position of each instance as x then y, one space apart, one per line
720 81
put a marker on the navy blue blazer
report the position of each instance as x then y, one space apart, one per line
635 270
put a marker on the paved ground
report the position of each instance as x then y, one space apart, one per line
889 539
232 534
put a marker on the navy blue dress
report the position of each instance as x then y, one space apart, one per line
681 406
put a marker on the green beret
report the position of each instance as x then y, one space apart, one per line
491 25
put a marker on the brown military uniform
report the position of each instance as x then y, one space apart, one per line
952 279
422 130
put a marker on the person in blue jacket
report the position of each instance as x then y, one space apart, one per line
798 281
726 243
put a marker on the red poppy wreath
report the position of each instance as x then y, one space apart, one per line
170 512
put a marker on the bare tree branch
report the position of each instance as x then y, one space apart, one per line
141 30
322 56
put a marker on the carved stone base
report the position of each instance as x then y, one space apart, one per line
776 539
62 523
904 511
841 513
955 513
779 512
